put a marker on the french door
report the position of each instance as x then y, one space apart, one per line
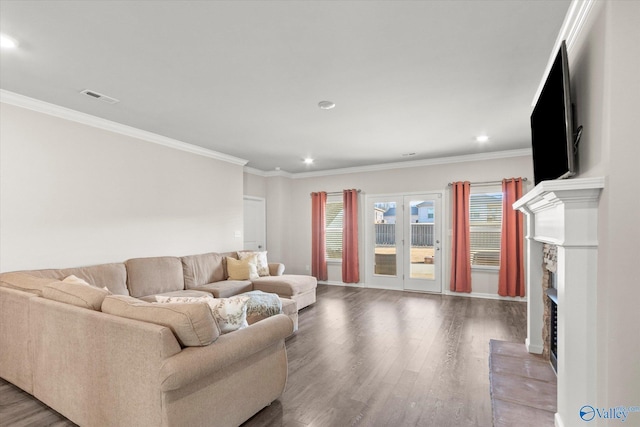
403 242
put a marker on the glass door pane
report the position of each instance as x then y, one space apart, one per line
421 239
422 243
385 238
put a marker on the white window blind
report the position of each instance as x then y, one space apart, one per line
485 223
333 229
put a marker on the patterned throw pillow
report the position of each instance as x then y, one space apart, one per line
261 261
162 298
230 313
245 269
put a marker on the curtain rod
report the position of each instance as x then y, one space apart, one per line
329 193
488 182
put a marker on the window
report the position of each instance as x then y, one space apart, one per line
333 229
485 223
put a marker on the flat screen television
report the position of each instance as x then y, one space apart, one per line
553 142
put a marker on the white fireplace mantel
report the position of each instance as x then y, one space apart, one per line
565 213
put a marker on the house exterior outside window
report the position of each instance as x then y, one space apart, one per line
333 229
485 223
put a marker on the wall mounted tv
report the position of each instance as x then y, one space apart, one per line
553 142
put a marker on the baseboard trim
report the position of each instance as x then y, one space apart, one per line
445 292
334 283
484 296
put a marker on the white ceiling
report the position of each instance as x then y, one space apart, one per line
244 77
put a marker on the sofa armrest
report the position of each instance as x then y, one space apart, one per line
194 363
276 269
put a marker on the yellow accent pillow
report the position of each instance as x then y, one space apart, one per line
245 269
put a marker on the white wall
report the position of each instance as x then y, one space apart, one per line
73 195
255 185
293 226
605 65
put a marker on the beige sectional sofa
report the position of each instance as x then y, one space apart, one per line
119 360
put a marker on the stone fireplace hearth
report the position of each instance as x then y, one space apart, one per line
564 213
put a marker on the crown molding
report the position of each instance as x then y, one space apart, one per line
418 163
267 174
573 23
396 165
108 125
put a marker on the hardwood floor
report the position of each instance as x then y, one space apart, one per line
365 357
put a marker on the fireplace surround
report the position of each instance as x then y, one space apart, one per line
564 213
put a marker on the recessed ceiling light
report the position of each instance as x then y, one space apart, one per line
308 160
326 105
7 42
482 138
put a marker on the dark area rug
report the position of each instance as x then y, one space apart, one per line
523 386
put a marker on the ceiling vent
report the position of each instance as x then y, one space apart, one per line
99 96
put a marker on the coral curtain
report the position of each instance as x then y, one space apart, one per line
460 241
511 279
318 242
350 261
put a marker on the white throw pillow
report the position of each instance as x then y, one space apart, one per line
261 261
78 281
230 313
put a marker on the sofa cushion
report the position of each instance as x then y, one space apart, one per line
112 276
230 313
226 288
151 276
286 285
25 282
76 293
202 269
261 260
245 269
192 324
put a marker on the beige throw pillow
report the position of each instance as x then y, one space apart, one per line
261 261
245 269
230 313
